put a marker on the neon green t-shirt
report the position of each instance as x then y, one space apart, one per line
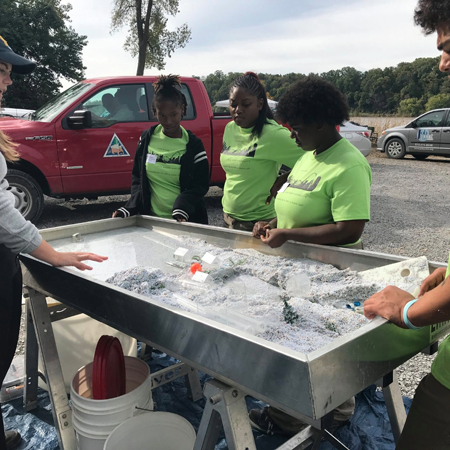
333 186
441 365
163 170
251 165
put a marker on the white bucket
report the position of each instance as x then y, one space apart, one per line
153 431
94 420
76 339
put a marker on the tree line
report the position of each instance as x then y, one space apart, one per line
409 89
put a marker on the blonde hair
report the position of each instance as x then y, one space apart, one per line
8 148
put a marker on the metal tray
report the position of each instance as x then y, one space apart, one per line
300 384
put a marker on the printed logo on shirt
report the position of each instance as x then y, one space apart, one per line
439 330
250 151
167 160
306 184
115 148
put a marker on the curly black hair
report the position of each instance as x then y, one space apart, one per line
252 84
168 87
313 100
430 13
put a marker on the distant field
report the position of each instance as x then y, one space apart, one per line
381 123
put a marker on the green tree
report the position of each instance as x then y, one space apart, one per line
411 107
377 91
39 30
348 80
218 84
438 101
404 89
148 36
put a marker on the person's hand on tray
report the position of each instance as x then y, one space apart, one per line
274 238
259 229
433 280
388 303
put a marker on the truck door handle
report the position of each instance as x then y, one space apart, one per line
446 131
436 131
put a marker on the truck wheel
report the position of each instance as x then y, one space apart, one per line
28 195
395 149
420 156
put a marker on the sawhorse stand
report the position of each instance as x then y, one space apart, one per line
225 407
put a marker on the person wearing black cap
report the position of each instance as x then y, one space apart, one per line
18 236
19 64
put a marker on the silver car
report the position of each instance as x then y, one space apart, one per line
358 135
15 112
428 134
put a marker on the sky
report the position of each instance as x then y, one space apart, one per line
268 36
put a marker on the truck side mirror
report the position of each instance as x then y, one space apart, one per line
80 119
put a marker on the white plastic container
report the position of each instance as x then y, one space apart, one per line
76 338
153 431
94 420
298 285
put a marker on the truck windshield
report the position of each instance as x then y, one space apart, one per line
57 104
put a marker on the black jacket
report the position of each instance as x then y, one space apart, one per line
194 182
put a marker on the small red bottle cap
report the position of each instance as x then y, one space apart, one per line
196 267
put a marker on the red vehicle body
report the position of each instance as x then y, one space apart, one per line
73 147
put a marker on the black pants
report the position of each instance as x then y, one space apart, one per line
428 424
10 312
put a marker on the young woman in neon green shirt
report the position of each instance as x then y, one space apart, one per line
170 173
326 196
325 199
254 148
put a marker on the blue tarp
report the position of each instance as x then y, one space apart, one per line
369 428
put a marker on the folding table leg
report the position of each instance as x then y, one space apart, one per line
394 405
62 414
31 360
193 384
225 406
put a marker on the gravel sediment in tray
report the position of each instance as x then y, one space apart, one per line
255 285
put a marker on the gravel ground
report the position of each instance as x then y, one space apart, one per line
410 217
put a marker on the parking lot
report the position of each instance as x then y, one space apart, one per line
410 214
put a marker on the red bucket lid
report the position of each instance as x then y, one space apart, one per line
108 371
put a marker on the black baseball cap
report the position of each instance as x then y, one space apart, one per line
19 63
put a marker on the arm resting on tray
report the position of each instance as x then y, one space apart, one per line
433 307
47 253
339 233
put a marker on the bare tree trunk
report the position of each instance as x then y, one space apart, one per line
141 58
143 33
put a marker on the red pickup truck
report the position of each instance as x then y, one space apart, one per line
72 147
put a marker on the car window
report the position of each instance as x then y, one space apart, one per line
146 101
432 119
57 104
122 103
190 111
447 122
